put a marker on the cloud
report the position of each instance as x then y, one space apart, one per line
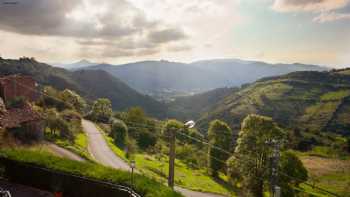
112 52
123 44
179 48
331 16
116 24
166 35
117 27
308 5
74 18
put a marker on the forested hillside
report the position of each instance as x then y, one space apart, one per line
91 84
309 101
191 107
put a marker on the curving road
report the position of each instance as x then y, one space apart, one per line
100 150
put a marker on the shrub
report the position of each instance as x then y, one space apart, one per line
16 102
119 132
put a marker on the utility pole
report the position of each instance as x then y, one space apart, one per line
172 139
275 189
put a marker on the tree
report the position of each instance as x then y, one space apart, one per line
102 109
251 156
51 120
119 132
293 171
73 99
49 99
220 136
142 128
65 130
136 115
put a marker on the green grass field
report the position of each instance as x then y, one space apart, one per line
157 168
326 171
142 184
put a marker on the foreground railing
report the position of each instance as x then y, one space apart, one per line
57 181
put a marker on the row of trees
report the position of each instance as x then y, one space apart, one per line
251 161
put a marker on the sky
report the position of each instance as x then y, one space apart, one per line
120 31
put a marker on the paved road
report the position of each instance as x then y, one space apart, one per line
103 154
64 152
99 149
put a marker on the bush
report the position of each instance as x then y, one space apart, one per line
131 148
65 130
28 133
119 132
16 102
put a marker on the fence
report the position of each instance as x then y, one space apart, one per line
54 181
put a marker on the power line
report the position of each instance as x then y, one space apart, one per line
215 158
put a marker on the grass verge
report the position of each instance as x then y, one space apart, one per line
78 146
142 184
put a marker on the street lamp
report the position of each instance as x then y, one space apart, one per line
190 124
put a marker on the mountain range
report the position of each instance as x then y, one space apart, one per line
91 84
307 100
311 101
165 80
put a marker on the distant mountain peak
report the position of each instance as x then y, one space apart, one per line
77 65
84 61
